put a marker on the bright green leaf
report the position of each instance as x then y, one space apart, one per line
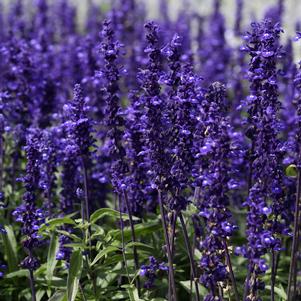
102 212
10 248
56 222
51 257
58 296
279 291
104 252
75 269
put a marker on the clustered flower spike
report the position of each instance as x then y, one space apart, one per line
266 208
110 49
214 201
28 213
78 125
175 110
153 119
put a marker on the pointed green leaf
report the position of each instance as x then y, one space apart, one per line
132 292
102 212
75 270
10 248
56 222
58 296
140 245
51 257
17 274
279 291
104 252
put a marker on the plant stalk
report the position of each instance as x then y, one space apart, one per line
273 276
190 255
246 289
86 191
292 269
169 255
123 241
133 235
32 285
229 264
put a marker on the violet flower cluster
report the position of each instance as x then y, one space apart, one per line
182 114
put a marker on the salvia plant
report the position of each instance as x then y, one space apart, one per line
149 159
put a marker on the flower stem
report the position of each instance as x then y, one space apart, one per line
32 285
169 255
273 276
246 289
190 255
133 235
229 264
86 191
292 270
123 241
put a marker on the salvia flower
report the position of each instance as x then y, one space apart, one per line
267 211
28 213
214 201
110 49
150 271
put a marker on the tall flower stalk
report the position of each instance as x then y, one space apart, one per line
110 49
292 280
266 215
215 263
28 213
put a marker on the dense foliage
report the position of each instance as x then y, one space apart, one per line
148 160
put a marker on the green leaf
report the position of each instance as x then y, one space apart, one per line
140 245
40 294
58 296
279 291
10 248
291 171
18 274
75 269
104 252
51 257
71 235
132 292
186 284
56 222
140 229
102 212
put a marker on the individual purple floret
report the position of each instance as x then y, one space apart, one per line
150 271
3 268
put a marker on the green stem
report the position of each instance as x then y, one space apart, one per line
133 235
229 264
169 255
292 270
32 285
190 255
123 241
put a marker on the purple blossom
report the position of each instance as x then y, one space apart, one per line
151 270
267 155
28 213
214 201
